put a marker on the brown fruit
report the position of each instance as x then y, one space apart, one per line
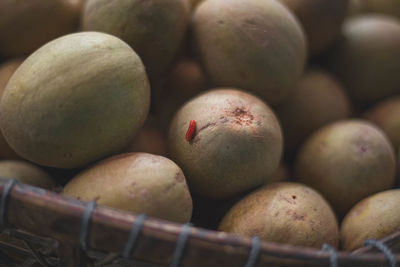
7 69
136 182
27 25
365 59
77 99
236 145
317 100
287 213
254 45
346 161
386 115
372 218
321 19
154 29
26 173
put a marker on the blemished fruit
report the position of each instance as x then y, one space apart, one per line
386 115
317 100
372 218
321 20
6 71
388 7
27 25
364 60
236 143
346 161
77 99
254 45
288 213
26 173
185 81
136 182
154 29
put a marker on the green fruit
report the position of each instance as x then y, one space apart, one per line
365 59
317 100
236 146
26 25
372 218
77 99
255 45
321 19
386 115
26 173
287 213
136 182
154 29
346 161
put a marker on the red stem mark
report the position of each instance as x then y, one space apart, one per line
190 130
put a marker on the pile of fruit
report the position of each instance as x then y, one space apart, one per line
270 118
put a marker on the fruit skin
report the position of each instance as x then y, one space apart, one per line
346 161
26 173
317 100
6 71
27 25
77 99
372 218
254 45
136 182
386 115
237 144
154 29
289 213
321 20
388 7
364 59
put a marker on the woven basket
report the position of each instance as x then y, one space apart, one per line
53 230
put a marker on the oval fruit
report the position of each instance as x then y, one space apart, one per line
136 182
236 143
346 161
287 213
254 45
77 99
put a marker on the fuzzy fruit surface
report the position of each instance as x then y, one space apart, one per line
136 182
346 161
254 45
289 213
75 100
237 144
372 218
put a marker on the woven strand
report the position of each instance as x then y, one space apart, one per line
385 250
85 224
181 244
4 201
254 252
134 235
333 256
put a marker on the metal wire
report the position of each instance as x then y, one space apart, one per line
4 201
181 244
85 224
254 252
333 256
385 250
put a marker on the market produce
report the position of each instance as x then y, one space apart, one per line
365 59
317 100
27 25
254 45
386 115
346 161
154 29
321 20
77 99
6 71
372 218
288 213
389 7
136 182
235 144
26 173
